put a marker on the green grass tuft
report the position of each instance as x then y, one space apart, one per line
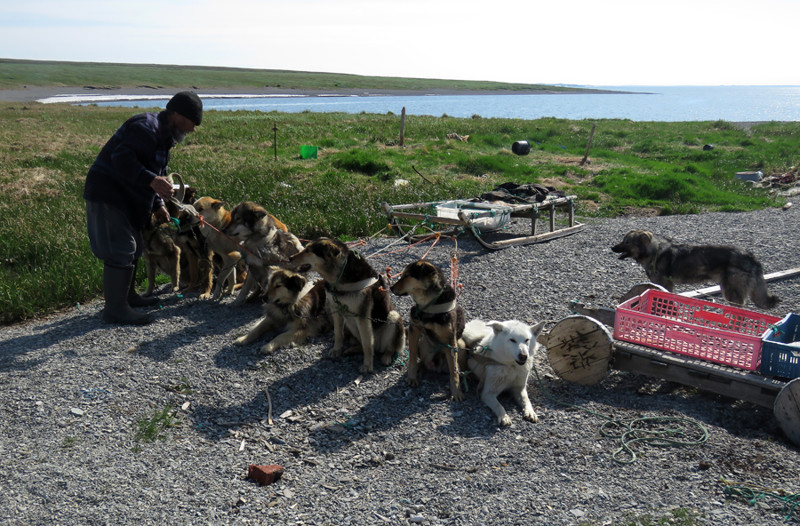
153 428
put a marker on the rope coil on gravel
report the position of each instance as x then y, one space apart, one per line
635 432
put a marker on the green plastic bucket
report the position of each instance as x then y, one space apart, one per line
308 152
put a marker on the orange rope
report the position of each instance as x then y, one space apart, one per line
436 235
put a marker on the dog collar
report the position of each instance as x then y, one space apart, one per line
352 287
481 357
439 309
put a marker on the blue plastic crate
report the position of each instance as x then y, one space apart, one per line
778 358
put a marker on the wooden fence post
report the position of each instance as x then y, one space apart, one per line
403 126
589 144
275 139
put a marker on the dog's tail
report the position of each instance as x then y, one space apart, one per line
474 332
761 297
765 300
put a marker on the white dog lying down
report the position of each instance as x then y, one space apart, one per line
501 356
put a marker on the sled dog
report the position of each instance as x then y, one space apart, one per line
215 220
501 355
435 323
737 271
358 299
295 308
265 241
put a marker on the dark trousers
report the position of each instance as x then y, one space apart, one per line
111 235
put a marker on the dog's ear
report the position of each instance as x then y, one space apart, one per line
325 247
537 329
497 326
296 282
191 195
278 224
216 204
438 276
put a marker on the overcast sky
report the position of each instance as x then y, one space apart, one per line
586 42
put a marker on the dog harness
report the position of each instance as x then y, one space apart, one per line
337 288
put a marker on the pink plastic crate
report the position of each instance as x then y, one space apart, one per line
702 329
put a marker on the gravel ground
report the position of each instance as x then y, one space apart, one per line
370 450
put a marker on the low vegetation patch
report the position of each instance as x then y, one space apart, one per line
149 429
45 151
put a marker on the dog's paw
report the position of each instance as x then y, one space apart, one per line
365 369
387 359
530 416
241 340
413 382
504 421
336 352
457 395
205 296
353 349
268 348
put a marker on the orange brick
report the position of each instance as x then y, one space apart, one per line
264 474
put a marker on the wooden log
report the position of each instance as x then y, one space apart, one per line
787 410
579 349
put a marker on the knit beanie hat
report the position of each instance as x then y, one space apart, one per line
188 104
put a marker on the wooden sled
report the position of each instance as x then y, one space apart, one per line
481 219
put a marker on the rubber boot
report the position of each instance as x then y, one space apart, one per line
116 285
134 299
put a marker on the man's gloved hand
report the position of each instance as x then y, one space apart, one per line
162 187
162 215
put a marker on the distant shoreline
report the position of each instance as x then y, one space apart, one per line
74 94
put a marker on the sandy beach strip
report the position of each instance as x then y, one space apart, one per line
77 94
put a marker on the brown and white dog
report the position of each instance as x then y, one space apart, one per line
215 220
265 242
737 271
296 307
435 323
196 265
358 299
162 249
160 252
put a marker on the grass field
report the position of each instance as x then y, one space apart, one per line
45 151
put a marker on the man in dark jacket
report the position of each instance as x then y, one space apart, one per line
128 182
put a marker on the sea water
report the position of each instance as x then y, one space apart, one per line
637 103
